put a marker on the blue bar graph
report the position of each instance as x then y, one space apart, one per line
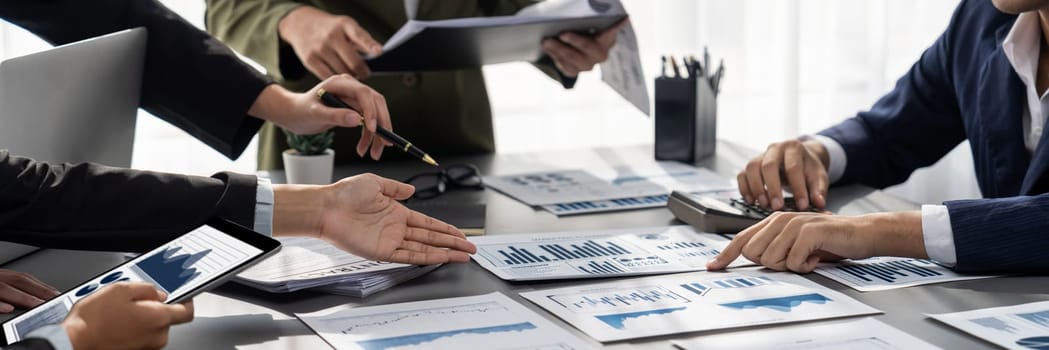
681 245
609 205
620 298
1040 318
994 323
889 271
543 253
595 268
729 283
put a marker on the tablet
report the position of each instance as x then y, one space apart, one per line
183 268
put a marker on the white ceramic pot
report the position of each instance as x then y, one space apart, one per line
308 170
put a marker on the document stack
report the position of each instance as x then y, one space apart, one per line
307 263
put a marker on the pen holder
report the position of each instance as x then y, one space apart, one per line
686 119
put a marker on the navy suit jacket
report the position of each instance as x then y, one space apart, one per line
963 88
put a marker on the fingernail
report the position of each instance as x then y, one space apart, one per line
777 203
6 308
803 203
763 200
563 37
748 199
350 119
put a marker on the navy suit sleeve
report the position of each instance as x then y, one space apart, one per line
912 126
1004 234
190 80
93 207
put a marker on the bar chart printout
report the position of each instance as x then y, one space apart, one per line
884 273
455 323
671 304
606 253
1024 326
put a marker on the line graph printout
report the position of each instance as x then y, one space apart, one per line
884 273
606 253
455 323
854 334
578 185
702 301
1024 326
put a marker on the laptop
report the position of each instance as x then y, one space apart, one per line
73 103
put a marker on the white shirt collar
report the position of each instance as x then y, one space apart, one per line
1022 44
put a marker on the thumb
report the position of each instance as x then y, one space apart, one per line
395 189
336 116
144 292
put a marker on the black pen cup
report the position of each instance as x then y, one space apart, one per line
686 119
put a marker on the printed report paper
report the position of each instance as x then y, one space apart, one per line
884 273
1024 326
490 321
853 334
604 253
698 301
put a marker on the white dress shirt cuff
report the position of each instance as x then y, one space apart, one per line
938 235
264 207
54 334
835 155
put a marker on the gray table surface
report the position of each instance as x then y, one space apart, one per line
235 316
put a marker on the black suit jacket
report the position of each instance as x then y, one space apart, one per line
190 79
31 344
95 207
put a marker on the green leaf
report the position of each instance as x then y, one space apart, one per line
310 145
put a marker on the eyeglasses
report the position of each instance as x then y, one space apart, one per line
433 184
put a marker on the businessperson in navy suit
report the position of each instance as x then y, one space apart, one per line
983 80
198 84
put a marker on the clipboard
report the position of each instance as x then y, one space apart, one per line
477 41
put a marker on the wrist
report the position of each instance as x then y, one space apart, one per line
287 26
298 210
897 234
76 329
273 104
819 150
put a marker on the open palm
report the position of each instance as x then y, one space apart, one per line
364 218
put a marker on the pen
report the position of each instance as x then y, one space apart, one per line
673 63
664 71
706 62
332 101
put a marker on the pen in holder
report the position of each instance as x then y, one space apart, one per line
686 110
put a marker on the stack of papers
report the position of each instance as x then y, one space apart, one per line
577 191
305 263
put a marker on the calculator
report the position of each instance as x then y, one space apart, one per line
709 213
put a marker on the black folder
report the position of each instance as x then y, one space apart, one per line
473 42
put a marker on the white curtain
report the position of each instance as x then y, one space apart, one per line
792 67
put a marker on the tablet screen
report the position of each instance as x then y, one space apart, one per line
181 268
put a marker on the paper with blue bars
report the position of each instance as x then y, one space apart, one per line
884 273
604 253
594 190
490 321
1024 326
652 306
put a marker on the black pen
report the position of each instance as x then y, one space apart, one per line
332 101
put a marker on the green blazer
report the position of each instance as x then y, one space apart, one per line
443 112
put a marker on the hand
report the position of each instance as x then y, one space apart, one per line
124 316
327 44
574 53
361 215
802 165
798 241
22 290
304 113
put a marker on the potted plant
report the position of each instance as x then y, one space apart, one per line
310 159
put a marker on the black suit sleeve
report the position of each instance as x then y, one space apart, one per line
94 207
30 344
191 80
